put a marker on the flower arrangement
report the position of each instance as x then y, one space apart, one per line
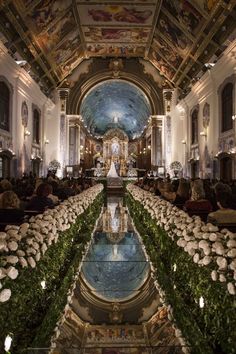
54 165
195 263
37 289
23 246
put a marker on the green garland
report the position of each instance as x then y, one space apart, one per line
208 330
32 312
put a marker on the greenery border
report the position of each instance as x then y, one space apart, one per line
208 330
32 312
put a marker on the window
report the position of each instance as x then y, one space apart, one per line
227 107
4 106
36 126
194 118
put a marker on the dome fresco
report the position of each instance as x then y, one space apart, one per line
115 271
115 104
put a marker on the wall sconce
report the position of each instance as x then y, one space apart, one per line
203 134
26 133
234 116
183 141
149 147
46 141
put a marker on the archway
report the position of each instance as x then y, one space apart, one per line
226 168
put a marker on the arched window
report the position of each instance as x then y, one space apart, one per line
4 106
227 107
194 123
36 126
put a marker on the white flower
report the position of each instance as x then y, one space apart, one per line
232 253
12 272
12 259
214 275
31 262
221 262
12 245
5 295
231 288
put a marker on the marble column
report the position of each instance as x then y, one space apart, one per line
156 141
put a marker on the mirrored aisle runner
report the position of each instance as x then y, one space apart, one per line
116 308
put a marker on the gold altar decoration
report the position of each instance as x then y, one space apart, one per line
115 148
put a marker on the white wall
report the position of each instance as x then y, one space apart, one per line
26 89
205 90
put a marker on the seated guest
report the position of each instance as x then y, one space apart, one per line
224 214
41 201
168 191
197 201
10 211
183 192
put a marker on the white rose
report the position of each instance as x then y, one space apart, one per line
5 295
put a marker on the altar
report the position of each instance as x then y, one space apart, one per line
115 150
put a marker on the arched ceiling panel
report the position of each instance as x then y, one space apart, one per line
115 103
177 36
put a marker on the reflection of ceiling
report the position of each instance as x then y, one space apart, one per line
177 36
115 103
106 264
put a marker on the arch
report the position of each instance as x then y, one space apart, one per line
5 163
6 93
154 94
226 166
194 124
226 98
36 124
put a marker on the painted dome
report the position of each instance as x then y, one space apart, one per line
115 104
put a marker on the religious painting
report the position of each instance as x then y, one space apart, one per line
174 34
111 50
46 12
66 48
24 114
161 64
185 13
167 52
55 34
115 334
116 14
162 334
106 34
72 62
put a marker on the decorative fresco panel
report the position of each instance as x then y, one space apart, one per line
184 13
160 64
174 34
46 12
167 52
116 14
66 48
112 34
116 351
117 50
55 34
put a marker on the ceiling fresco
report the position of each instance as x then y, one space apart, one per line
177 36
115 104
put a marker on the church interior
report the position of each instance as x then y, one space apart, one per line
117 176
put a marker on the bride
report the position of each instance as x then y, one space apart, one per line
112 172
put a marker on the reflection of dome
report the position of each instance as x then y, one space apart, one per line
123 269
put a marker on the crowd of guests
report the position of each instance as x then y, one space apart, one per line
213 201
26 196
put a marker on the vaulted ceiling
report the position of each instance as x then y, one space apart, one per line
177 36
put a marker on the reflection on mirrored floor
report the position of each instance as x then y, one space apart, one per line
116 308
115 266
